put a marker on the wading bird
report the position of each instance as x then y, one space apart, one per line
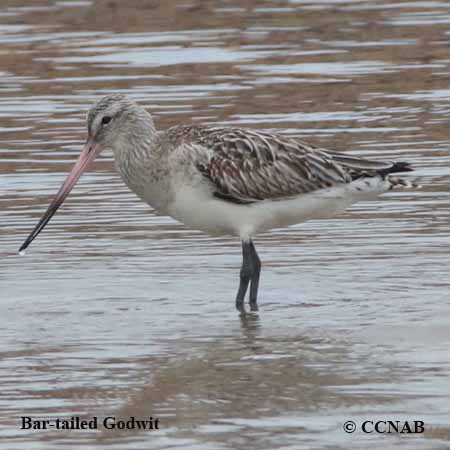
225 181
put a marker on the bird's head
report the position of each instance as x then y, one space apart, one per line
111 117
108 122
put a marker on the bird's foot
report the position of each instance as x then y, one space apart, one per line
240 306
253 305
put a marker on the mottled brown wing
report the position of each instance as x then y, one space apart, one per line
246 166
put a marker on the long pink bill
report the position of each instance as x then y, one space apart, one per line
89 153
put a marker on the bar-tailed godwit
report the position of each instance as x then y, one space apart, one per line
225 181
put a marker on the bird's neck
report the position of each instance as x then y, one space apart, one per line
138 160
134 141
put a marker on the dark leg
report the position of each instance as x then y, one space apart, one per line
255 278
246 274
250 270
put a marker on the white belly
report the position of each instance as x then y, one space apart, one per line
198 209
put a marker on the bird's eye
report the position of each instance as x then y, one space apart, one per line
106 120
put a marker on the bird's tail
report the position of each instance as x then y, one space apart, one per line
399 167
396 167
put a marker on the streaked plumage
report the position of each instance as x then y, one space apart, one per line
246 166
228 180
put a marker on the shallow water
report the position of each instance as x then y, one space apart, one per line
116 312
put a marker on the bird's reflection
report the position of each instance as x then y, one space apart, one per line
250 324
